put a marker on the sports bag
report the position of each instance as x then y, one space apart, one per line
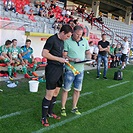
118 75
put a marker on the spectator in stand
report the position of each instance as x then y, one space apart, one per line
68 13
91 19
100 20
64 12
78 9
53 4
43 12
63 22
9 5
50 14
37 3
28 9
57 25
47 4
76 21
71 23
83 8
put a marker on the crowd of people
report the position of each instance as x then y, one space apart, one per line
115 55
47 9
12 55
9 5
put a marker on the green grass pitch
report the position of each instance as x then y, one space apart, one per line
20 110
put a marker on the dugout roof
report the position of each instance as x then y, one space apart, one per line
116 7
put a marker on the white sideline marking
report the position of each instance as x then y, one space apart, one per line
117 84
14 114
83 114
20 112
10 115
83 94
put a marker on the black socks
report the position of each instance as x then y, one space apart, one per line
45 107
51 106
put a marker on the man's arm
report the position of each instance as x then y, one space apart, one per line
65 55
102 49
5 55
20 57
24 53
10 55
88 54
46 54
108 49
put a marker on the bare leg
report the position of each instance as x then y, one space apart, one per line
64 98
76 95
49 94
56 92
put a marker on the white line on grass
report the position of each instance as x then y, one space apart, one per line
83 94
117 84
83 114
14 114
27 110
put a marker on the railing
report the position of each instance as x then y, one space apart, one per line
107 31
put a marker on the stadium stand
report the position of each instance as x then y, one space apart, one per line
116 30
119 28
34 23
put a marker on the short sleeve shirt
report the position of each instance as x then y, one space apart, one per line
112 50
25 49
15 51
103 45
3 49
117 50
92 49
55 47
76 50
125 46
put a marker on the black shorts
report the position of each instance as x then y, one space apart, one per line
123 58
54 76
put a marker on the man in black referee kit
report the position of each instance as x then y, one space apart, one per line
53 51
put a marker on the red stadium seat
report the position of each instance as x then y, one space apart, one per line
91 36
37 59
3 75
3 64
44 60
6 18
43 3
21 28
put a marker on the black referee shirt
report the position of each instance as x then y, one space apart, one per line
55 47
